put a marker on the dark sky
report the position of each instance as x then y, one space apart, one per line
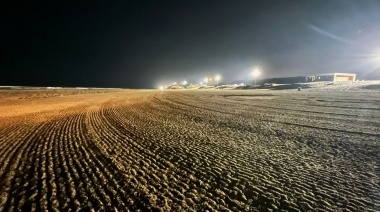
141 44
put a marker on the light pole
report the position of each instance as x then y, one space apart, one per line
255 74
217 78
206 80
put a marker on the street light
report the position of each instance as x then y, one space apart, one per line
255 74
217 78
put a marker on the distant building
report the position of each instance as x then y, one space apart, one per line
333 77
174 87
285 80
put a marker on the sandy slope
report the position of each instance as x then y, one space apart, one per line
190 150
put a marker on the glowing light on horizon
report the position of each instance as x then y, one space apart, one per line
366 63
256 73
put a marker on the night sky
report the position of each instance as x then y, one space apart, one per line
142 44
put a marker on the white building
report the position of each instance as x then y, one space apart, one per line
332 77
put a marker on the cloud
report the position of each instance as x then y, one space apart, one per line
330 35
